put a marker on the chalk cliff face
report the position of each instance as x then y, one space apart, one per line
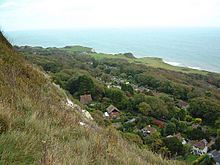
40 124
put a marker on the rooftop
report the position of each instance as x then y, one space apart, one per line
112 108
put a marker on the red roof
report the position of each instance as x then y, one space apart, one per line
200 144
159 123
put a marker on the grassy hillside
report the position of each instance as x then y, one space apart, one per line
37 127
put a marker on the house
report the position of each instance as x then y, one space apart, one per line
199 147
85 99
113 111
216 156
148 130
158 123
183 105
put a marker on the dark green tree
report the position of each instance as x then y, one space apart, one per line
86 85
174 146
81 85
169 129
207 109
127 88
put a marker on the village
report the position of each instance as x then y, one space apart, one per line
113 114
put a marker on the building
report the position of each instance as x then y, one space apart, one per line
113 111
199 147
158 123
216 156
86 99
148 130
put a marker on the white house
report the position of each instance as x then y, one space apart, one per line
199 147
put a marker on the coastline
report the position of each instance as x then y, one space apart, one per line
177 64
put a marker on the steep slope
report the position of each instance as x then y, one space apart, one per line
39 125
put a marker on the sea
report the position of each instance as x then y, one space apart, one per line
197 48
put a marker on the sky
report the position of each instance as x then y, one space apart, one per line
62 14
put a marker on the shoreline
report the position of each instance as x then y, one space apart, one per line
177 64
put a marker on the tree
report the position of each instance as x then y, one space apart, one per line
81 85
86 85
154 141
72 85
196 134
181 126
117 97
144 108
138 98
169 129
180 114
167 87
144 79
206 109
51 66
127 88
174 146
158 106
181 92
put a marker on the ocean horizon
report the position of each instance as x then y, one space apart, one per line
197 48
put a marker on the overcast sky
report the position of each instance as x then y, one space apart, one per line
56 14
